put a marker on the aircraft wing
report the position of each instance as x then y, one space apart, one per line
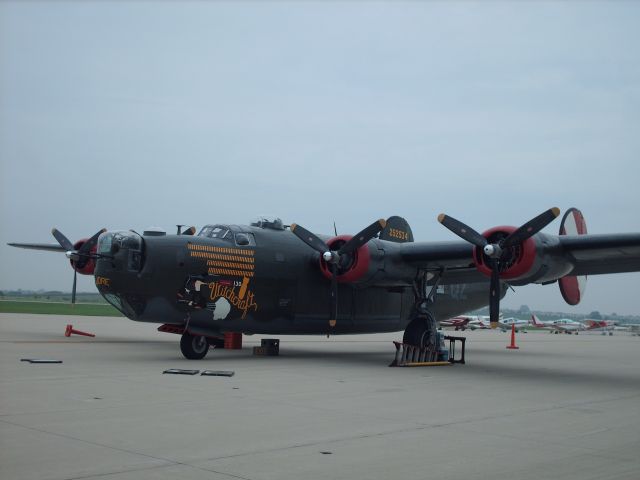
455 257
570 255
50 247
599 254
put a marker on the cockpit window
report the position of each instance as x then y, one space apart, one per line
215 231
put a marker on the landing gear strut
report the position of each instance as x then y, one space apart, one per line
421 331
194 347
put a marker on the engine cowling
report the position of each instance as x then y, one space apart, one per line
518 261
84 266
351 268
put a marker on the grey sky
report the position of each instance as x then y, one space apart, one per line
132 114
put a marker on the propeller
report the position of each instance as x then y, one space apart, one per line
334 258
499 251
80 257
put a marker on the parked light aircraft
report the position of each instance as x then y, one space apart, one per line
457 323
508 323
563 325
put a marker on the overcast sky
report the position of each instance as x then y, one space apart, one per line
137 114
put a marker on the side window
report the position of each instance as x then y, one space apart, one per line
245 239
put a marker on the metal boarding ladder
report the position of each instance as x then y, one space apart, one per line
414 356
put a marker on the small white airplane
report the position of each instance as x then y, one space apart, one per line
563 325
481 322
507 323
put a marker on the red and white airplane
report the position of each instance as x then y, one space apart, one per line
604 325
457 323
564 325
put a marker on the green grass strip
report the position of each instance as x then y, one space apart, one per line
54 308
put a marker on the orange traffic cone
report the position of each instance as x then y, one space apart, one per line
513 345
69 330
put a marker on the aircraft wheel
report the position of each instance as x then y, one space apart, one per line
420 332
193 347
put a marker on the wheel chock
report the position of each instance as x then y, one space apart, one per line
70 330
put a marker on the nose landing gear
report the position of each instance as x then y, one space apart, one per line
194 347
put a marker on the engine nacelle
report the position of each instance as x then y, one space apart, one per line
519 261
84 266
524 263
353 268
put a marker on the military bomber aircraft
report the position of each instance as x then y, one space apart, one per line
271 278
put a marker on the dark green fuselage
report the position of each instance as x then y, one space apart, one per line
272 285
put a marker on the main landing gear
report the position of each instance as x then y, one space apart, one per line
421 331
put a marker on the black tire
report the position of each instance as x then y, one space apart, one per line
194 347
418 333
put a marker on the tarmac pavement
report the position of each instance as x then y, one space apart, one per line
560 407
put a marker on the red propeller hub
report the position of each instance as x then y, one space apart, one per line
84 266
350 269
515 262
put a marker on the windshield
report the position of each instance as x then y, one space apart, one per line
215 231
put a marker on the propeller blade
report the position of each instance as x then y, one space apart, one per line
332 258
62 240
363 237
463 231
494 295
530 228
86 247
309 238
73 290
333 296
49 247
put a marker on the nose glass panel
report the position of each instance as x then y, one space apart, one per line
124 246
